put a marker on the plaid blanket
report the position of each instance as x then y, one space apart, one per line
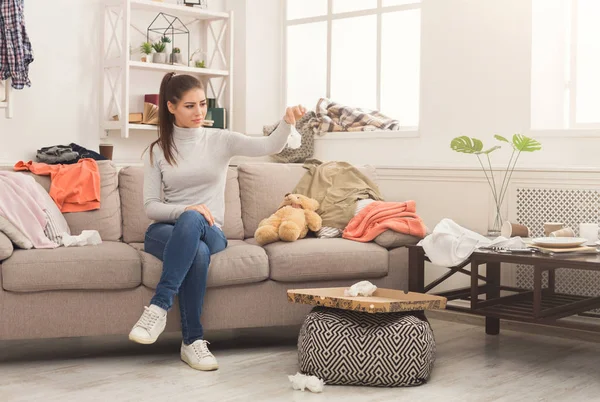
331 116
15 48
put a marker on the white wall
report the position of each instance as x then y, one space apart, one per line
475 81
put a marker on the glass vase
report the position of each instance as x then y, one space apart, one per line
495 226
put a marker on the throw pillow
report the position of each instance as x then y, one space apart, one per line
6 247
14 234
390 239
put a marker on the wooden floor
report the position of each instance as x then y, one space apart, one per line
470 366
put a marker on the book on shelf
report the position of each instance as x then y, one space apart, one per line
148 116
219 116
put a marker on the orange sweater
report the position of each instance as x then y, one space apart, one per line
379 216
74 188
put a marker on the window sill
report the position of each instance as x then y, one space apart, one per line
565 133
368 135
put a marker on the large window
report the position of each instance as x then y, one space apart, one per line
360 53
565 65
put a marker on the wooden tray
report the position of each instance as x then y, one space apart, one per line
382 301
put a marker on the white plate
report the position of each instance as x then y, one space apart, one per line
559 242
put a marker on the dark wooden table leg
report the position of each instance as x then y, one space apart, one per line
416 269
552 280
474 283
492 325
537 291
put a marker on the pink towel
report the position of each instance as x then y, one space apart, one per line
379 216
23 206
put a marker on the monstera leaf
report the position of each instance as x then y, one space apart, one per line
526 144
501 138
466 145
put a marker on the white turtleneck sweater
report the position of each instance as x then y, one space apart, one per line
200 174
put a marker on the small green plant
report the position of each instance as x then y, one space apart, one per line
520 143
165 39
200 64
159 47
146 48
176 50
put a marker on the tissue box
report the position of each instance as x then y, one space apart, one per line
382 301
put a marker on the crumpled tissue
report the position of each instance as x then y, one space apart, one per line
301 381
362 288
87 237
294 139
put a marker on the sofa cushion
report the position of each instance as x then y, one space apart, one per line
6 247
263 186
135 221
239 263
325 259
109 265
107 219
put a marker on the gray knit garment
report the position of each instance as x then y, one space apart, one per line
200 174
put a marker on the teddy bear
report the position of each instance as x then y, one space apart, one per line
292 220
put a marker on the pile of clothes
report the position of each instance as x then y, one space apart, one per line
351 206
32 217
330 117
65 154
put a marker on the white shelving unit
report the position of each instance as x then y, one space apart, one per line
215 29
6 102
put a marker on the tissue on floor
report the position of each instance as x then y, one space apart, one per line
362 288
301 381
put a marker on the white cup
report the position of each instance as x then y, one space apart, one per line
589 231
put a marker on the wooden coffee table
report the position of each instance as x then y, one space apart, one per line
539 306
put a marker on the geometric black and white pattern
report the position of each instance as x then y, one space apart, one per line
353 348
571 207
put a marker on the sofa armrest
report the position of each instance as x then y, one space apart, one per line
6 247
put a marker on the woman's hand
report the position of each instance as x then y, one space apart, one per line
203 209
293 113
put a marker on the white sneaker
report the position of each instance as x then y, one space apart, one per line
150 325
198 356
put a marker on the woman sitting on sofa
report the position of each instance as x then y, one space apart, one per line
189 163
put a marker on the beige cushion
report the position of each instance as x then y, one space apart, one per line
14 234
107 219
391 239
263 186
135 221
325 259
239 263
6 247
110 265
131 190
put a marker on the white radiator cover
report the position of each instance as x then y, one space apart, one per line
534 206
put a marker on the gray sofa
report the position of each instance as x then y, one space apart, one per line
101 290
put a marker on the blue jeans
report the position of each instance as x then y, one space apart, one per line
185 249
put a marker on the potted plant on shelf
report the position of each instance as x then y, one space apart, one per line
160 56
198 63
176 57
146 49
519 144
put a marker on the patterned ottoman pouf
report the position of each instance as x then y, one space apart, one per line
353 348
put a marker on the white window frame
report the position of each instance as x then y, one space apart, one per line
329 18
571 85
